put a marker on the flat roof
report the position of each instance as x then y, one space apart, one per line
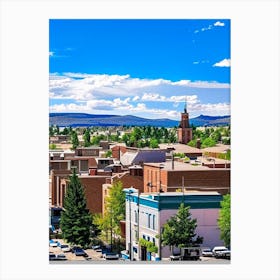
177 166
178 193
219 148
180 148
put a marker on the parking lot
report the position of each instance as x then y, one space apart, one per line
92 255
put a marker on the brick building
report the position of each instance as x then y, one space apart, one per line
173 175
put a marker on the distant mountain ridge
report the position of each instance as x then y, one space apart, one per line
83 119
203 120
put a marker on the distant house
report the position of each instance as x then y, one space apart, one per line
87 151
188 151
59 139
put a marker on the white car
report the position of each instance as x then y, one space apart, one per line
207 252
111 256
53 243
65 248
221 252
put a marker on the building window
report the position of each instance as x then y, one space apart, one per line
148 220
84 165
153 222
135 216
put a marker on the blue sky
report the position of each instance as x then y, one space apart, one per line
144 68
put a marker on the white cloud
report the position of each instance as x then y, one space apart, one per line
81 86
153 97
223 63
51 53
209 27
96 93
181 83
218 23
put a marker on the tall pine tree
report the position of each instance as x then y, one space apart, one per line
74 140
76 220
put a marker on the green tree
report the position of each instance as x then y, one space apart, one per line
57 130
52 146
192 143
51 130
74 140
115 206
208 142
224 220
76 220
86 138
179 230
108 153
154 143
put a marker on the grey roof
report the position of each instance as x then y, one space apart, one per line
142 156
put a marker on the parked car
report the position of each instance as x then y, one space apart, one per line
221 252
65 248
111 256
190 253
61 257
206 252
96 247
53 243
79 252
52 257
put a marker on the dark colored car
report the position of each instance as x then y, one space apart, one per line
52 257
79 252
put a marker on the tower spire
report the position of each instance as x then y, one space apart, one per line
185 109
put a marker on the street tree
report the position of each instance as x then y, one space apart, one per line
114 211
224 220
179 230
76 220
86 138
74 140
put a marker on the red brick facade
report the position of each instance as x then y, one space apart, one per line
208 180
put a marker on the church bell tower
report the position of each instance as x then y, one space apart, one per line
184 131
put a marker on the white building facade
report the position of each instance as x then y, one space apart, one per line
146 214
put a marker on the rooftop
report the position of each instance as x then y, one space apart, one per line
178 166
219 148
180 148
